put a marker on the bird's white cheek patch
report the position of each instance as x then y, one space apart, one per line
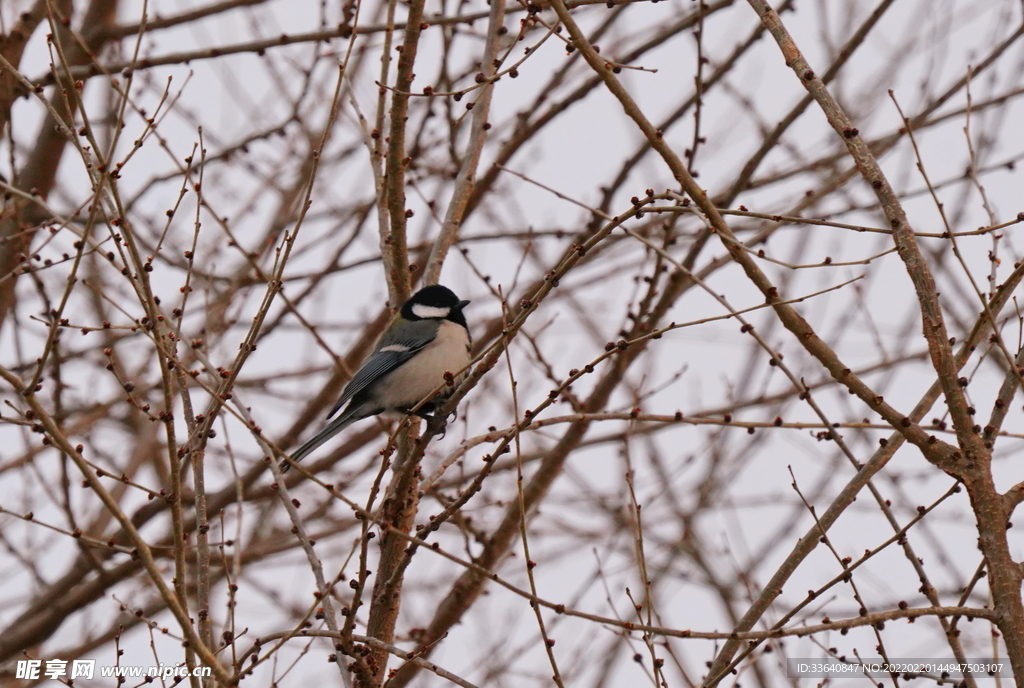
396 348
423 311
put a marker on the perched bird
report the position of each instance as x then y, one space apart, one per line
428 339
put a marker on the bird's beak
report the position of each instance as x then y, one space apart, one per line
462 304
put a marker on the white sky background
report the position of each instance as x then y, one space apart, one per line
920 48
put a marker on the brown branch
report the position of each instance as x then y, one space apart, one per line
12 46
793 321
142 549
156 23
39 172
395 243
464 182
974 466
772 139
936 451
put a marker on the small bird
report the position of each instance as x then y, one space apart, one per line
428 339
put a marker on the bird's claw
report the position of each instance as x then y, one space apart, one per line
438 424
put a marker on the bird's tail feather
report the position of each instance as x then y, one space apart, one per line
329 431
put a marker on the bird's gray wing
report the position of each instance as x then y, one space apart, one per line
391 352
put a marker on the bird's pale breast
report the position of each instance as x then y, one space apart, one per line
412 382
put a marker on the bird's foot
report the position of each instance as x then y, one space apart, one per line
438 425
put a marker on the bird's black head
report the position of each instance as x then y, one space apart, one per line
436 303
